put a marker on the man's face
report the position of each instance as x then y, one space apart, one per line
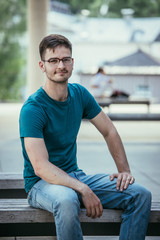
57 71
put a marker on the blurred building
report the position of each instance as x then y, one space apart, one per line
118 42
138 74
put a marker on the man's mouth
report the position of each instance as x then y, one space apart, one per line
61 72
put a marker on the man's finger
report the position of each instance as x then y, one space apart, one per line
132 180
127 183
88 213
124 182
99 210
119 179
113 176
93 213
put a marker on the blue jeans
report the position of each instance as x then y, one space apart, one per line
65 204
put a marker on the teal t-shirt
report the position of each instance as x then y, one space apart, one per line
58 123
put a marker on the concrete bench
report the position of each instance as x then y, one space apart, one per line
128 116
17 218
12 186
134 116
106 102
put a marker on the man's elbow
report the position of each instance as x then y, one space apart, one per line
38 171
111 133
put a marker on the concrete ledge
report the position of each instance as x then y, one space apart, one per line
134 116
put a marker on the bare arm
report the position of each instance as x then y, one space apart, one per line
113 140
47 171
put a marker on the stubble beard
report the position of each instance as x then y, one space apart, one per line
62 81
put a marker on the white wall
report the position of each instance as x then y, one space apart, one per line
89 56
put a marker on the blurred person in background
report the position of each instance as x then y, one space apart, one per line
99 83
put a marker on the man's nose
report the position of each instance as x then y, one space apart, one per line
61 64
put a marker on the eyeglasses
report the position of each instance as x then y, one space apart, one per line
55 61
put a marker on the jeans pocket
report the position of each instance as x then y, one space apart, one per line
32 198
29 197
35 199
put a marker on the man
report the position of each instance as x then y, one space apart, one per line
49 124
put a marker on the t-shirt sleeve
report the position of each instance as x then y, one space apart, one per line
32 121
91 107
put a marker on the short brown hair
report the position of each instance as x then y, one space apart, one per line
52 41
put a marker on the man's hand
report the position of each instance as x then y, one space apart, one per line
123 180
92 203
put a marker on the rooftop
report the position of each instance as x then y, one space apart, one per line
137 59
113 30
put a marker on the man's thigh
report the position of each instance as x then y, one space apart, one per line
48 196
107 192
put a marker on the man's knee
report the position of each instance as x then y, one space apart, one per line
145 197
143 193
141 196
138 201
67 206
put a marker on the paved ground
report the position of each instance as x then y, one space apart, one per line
141 141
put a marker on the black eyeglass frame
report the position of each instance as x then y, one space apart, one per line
51 60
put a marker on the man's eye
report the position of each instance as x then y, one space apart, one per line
66 60
53 61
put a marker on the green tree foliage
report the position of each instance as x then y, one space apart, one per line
142 8
12 26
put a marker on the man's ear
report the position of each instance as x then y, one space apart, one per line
72 63
41 65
